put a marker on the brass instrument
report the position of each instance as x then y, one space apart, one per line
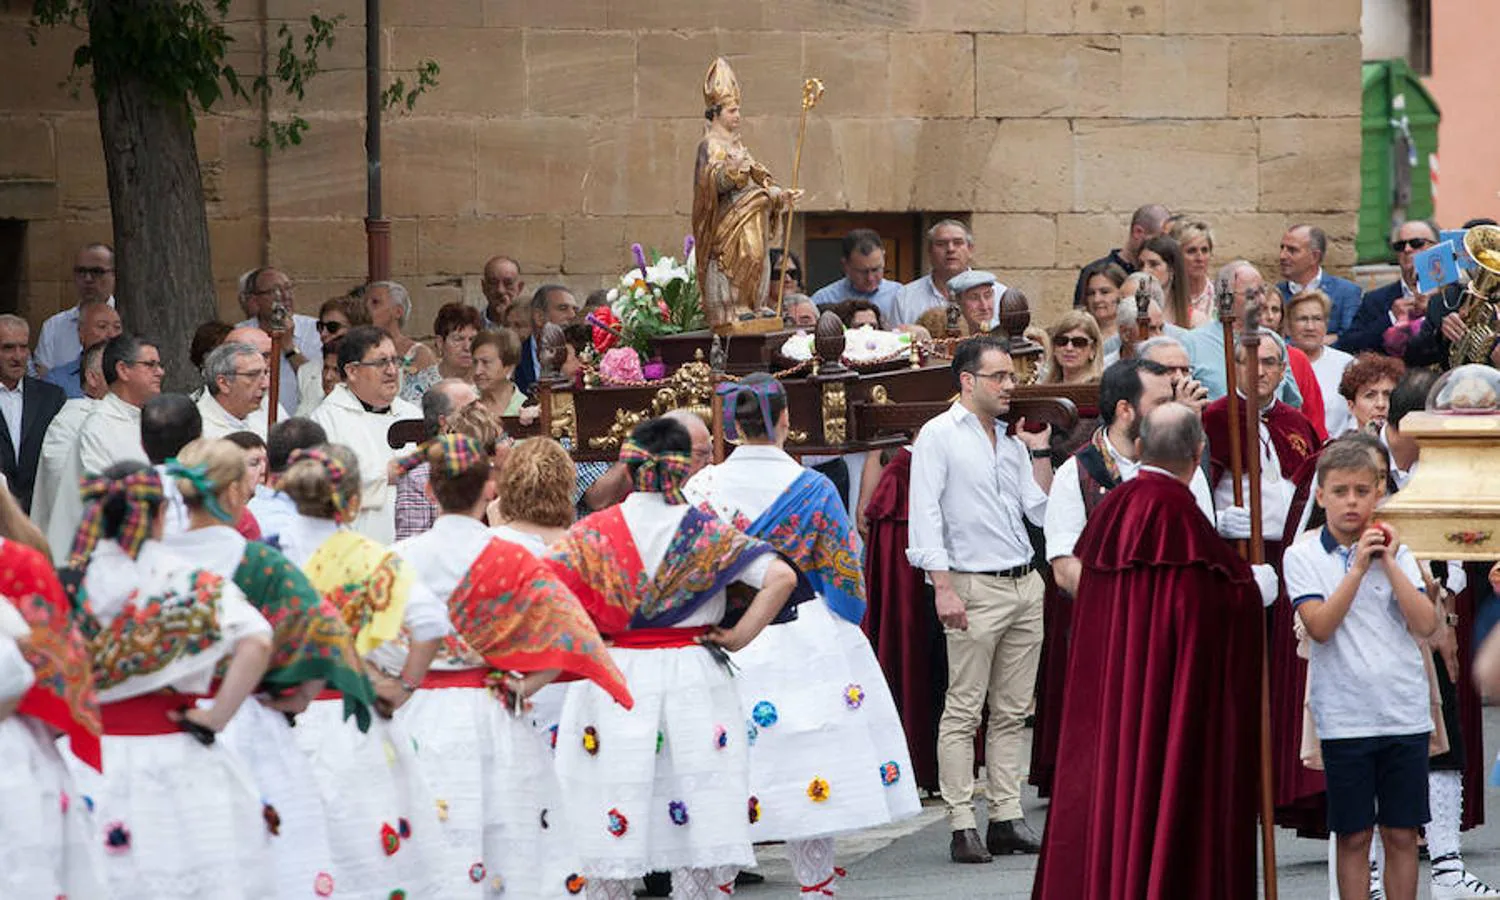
1478 309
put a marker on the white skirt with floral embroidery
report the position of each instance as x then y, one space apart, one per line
663 785
47 846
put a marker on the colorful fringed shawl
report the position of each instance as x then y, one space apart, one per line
598 560
367 583
809 526
63 695
310 640
512 610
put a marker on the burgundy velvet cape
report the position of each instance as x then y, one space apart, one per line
901 621
1156 794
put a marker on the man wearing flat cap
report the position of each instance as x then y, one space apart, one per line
974 297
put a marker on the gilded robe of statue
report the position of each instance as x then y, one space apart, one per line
733 199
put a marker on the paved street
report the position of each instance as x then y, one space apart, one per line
911 859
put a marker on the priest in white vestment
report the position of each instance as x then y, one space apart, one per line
56 506
359 413
237 379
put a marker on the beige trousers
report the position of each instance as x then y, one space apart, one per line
997 656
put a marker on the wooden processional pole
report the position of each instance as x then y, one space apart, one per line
812 92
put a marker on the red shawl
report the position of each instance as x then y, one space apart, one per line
1292 436
63 695
512 610
1156 798
1313 407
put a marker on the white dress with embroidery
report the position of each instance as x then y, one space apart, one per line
301 854
47 846
829 754
176 818
504 828
546 704
382 814
664 785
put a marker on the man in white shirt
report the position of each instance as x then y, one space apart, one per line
260 290
973 488
112 432
359 413
56 507
94 279
950 247
237 379
1128 390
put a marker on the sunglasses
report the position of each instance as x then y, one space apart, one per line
330 327
1414 243
1077 342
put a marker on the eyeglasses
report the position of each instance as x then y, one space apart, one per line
91 271
997 377
153 364
1076 341
1416 243
329 326
254 374
384 362
1180 371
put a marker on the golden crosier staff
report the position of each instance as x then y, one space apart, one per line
812 92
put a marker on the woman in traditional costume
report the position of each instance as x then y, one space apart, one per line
312 650
177 814
47 846
534 509
383 818
830 756
663 786
517 629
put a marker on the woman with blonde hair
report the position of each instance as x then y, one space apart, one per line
1196 240
370 778
178 816
1076 356
517 628
312 651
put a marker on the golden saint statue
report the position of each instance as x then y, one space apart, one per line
734 199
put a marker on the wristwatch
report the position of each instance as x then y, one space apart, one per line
290 354
1041 454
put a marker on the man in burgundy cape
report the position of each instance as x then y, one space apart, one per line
1155 793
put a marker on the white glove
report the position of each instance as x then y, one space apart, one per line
1268 582
1234 523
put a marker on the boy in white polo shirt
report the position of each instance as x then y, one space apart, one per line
1358 592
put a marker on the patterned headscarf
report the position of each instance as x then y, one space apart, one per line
457 454
208 492
763 391
336 473
652 473
141 492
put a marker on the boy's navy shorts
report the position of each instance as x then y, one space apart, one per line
1376 780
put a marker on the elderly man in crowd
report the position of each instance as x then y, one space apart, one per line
58 342
502 284
237 379
1170 354
975 296
260 290
1382 306
97 323
863 261
415 509
358 414
1301 263
551 304
1146 223
798 311
950 247
1206 342
27 407
58 468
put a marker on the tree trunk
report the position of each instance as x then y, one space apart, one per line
163 269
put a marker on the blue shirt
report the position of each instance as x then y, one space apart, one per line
1205 347
884 295
66 376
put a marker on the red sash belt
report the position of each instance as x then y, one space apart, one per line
330 694
146 714
657 638
456 678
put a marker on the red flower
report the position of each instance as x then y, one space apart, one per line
603 338
390 841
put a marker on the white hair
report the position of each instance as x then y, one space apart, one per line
1144 350
398 294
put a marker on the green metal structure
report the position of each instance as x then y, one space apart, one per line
1399 140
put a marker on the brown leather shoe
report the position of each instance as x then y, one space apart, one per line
1011 836
967 848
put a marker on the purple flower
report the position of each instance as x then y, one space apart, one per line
640 258
687 247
